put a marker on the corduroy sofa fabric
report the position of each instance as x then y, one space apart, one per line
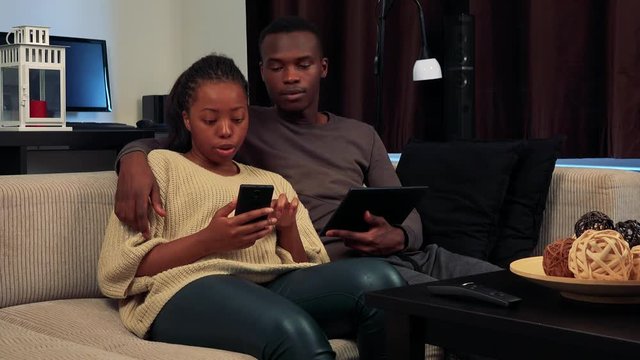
575 191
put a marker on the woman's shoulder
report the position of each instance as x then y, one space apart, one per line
162 159
164 154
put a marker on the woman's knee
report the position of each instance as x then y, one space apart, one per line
298 336
373 274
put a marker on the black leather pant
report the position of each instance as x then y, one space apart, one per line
289 318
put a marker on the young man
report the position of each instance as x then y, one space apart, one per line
321 154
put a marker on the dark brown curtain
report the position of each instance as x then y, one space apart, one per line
542 68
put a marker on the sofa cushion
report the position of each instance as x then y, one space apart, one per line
51 230
524 202
96 323
468 182
19 343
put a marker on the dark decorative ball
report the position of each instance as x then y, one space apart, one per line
593 220
630 231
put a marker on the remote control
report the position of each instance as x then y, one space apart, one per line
476 291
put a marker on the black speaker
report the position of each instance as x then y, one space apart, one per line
459 76
153 108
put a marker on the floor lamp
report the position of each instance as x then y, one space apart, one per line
425 68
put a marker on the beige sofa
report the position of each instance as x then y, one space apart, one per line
51 228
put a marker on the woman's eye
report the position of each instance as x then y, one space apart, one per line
210 122
238 120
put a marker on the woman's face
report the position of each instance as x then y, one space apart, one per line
218 120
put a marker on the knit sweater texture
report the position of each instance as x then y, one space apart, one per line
191 195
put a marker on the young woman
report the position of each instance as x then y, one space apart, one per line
208 278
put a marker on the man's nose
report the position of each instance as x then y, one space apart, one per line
291 75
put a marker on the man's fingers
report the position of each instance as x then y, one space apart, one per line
121 208
141 214
374 220
346 234
359 246
156 201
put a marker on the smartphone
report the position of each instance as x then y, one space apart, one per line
251 197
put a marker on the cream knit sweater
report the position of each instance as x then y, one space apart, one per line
191 195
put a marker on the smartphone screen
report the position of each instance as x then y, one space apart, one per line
251 197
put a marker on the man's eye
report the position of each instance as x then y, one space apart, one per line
304 65
275 68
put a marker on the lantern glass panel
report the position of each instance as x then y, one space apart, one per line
10 95
44 93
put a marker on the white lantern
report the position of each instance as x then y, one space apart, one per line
32 82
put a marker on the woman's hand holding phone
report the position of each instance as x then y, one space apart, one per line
240 231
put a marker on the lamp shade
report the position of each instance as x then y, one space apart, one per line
426 69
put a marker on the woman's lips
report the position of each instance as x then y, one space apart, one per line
226 150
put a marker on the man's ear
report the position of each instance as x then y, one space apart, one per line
185 119
261 70
325 67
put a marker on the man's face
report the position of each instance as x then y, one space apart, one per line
291 69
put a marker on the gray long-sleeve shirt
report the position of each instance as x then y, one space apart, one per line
321 161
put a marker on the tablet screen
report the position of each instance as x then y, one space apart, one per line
392 203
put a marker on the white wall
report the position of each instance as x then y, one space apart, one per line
150 42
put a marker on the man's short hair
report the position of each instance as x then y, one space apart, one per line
289 24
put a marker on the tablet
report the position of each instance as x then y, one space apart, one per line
392 203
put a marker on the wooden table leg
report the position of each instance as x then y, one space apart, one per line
405 337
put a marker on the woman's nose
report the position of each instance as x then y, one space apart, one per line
224 130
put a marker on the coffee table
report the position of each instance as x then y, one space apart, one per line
544 325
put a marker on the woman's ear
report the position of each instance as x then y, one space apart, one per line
185 119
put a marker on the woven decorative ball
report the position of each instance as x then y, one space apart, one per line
593 220
555 259
630 231
600 255
635 271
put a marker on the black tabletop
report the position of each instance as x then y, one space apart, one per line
85 139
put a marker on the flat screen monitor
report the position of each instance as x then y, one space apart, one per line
87 72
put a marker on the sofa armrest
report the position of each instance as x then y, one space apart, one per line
51 231
575 191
